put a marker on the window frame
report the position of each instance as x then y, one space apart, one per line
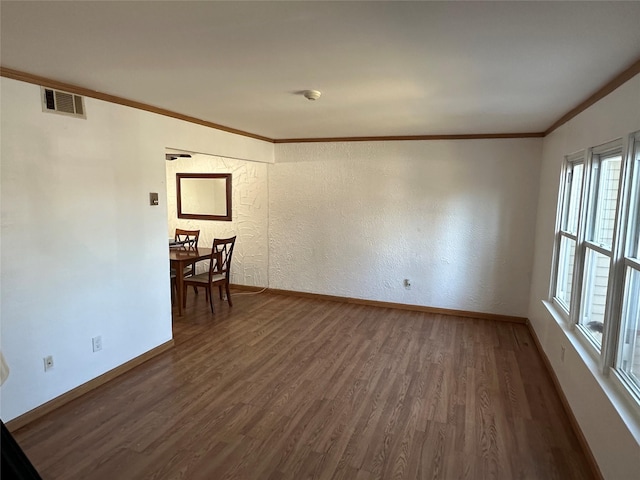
568 168
595 157
625 243
630 240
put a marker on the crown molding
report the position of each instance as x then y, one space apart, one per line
78 90
70 88
621 78
469 136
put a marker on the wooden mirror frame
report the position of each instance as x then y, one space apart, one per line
202 216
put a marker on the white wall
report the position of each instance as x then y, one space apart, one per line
83 253
250 214
454 217
613 434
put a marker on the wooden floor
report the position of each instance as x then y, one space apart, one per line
282 387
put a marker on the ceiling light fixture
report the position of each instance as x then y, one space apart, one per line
312 94
175 156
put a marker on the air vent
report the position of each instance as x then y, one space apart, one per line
55 101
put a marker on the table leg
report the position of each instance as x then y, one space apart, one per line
179 288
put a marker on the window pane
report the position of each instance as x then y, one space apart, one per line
596 279
629 357
607 196
574 189
565 270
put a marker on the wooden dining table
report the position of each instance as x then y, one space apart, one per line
180 258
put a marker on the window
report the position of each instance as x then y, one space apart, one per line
598 245
596 279
569 229
628 355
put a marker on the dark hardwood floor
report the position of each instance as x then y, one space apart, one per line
281 387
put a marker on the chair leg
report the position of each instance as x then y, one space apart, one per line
193 272
211 299
226 286
220 291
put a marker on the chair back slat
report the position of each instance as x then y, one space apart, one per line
221 254
188 236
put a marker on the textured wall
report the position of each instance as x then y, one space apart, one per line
250 215
456 218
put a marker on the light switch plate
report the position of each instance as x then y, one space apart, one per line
153 199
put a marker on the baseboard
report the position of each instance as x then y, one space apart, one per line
65 398
591 460
248 288
402 306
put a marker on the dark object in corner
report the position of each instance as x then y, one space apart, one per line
15 464
595 326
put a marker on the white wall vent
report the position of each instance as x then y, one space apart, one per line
56 101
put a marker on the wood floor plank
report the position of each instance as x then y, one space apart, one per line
280 387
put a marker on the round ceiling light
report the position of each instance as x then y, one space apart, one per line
312 94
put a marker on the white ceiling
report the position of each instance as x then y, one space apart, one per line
384 68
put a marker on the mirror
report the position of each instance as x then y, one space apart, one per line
204 196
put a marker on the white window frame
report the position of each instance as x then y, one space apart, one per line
595 157
627 214
570 162
630 231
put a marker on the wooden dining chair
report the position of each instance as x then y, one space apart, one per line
190 239
219 271
185 239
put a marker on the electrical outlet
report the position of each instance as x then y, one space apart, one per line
562 350
407 284
48 362
97 343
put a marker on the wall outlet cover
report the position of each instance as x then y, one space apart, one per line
48 362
